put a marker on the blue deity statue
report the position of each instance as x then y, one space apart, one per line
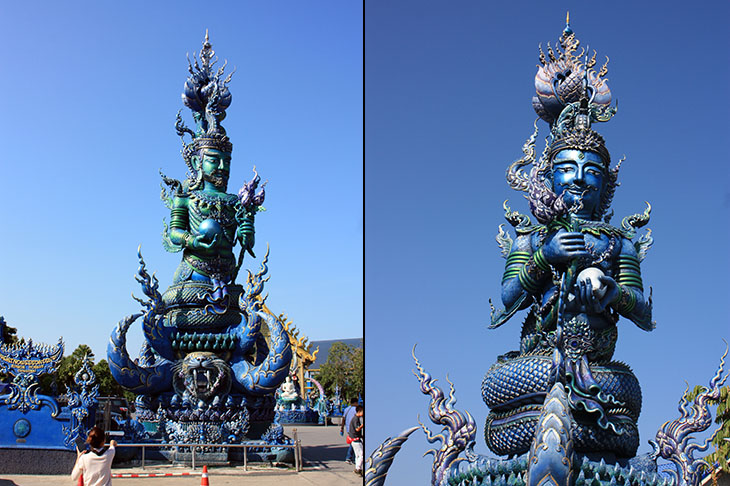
205 359
575 272
561 410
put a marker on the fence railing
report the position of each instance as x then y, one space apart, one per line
296 446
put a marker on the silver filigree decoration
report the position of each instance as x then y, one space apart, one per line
459 428
504 240
643 245
377 465
674 439
80 402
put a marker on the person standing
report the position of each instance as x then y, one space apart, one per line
95 464
356 433
347 416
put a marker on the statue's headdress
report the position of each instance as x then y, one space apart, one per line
570 96
206 94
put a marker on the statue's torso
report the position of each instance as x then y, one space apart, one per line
218 206
217 261
604 250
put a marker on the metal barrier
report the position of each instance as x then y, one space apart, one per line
296 446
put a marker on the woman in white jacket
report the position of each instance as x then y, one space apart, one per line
95 464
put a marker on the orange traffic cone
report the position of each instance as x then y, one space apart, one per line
204 477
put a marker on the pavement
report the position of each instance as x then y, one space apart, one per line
323 452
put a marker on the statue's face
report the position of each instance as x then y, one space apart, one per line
216 167
579 176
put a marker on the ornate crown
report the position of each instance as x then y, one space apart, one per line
206 94
575 133
569 95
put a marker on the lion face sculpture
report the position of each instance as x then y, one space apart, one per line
201 375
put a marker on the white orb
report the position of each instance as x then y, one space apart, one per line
592 274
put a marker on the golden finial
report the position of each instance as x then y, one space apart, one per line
207 53
567 31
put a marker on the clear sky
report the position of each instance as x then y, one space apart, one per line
448 106
91 90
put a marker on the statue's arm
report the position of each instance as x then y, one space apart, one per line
179 231
245 232
528 265
179 222
630 301
525 274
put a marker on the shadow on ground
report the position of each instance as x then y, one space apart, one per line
323 453
7 482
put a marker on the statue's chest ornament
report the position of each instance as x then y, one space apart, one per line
593 249
222 209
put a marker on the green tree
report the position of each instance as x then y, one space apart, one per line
48 385
108 387
9 334
62 381
722 417
344 368
70 365
358 372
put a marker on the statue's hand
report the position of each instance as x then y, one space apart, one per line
199 242
612 291
648 325
247 236
563 246
588 299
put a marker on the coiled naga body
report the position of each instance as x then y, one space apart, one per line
576 273
206 372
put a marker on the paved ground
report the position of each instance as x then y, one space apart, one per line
323 450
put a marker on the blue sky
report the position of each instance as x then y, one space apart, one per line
91 90
448 106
